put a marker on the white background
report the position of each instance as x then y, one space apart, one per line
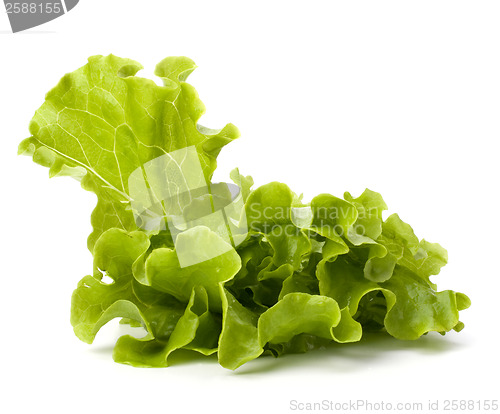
402 97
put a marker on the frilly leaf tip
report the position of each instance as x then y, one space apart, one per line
175 69
125 67
26 147
96 57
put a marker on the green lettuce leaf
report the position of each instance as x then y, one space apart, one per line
196 329
239 339
299 313
421 257
411 307
101 123
216 263
94 303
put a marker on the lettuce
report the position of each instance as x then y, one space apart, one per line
204 267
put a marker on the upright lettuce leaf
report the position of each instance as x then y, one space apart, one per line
101 122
